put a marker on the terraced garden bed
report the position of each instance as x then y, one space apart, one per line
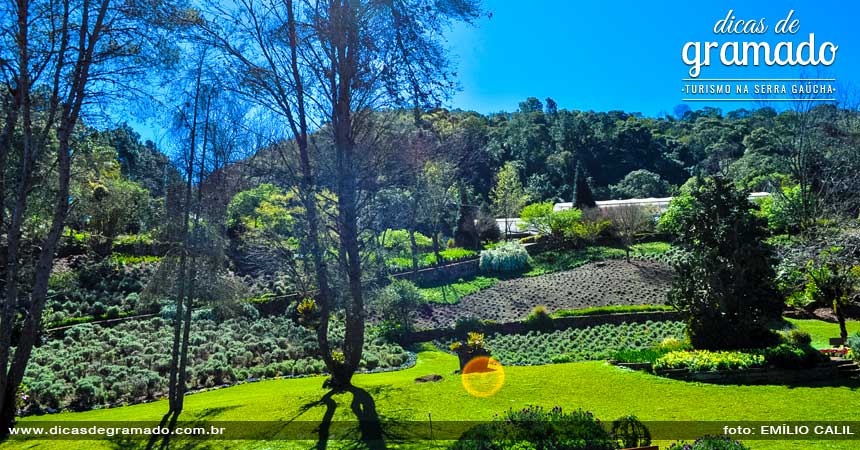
605 283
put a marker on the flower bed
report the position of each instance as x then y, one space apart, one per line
592 343
703 360
831 352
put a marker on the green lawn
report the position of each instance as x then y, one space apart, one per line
822 331
453 292
606 390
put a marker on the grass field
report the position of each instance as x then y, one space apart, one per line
822 331
606 390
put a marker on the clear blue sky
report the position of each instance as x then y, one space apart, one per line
626 54
621 54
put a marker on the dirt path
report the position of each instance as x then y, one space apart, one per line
613 282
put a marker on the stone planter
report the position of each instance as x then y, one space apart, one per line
465 355
644 367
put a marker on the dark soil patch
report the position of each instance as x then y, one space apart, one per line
614 282
429 378
823 313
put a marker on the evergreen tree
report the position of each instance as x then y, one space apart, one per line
725 279
582 195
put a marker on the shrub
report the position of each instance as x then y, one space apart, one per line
612 309
704 360
652 354
533 427
630 432
539 319
710 443
799 337
398 302
398 241
93 365
507 257
792 356
112 312
853 344
671 344
593 343
99 309
464 325
88 392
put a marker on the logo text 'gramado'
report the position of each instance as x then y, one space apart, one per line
698 54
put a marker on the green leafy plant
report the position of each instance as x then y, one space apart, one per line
853 345
704 360
535 428
612 309
629 431
539 319
475 341
710 443
398 302
581 344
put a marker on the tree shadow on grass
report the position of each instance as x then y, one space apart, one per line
137 444
367 430
369 424
163 442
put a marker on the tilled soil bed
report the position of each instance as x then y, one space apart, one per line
605 283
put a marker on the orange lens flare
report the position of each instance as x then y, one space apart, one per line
483 376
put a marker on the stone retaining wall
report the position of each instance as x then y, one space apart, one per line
756 375
442 274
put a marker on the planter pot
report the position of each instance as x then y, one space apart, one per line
466 355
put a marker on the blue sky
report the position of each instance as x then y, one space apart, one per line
621 54
626 54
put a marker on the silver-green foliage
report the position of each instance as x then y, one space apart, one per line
506 257
92 365
592 343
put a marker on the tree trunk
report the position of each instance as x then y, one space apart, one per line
413 246
436 250
39 294
176 379
344 47
467 233
11 377
307 188
840 316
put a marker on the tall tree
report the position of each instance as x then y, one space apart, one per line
437 200
508 196
55 55
330 63
582 195
725 281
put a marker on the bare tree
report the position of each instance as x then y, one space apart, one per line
56 56
629 222
328 65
